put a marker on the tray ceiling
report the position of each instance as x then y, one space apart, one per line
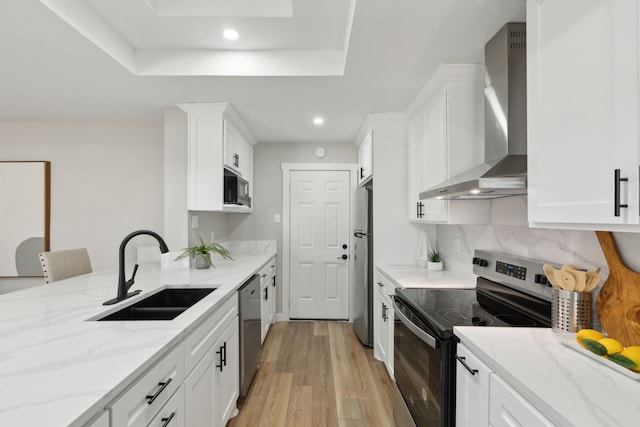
184 37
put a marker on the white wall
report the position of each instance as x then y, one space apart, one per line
106 181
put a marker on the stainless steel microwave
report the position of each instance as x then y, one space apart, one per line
236 190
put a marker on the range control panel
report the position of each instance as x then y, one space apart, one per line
511 270
525 274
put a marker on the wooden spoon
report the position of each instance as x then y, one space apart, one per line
593 278
581 279
549 272
566 280
618 303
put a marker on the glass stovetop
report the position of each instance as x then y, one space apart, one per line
442 309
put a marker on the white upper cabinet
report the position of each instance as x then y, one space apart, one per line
445 137
365 159
217 140
582 72
238 153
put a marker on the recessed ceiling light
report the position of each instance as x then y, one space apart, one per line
230 34
318 120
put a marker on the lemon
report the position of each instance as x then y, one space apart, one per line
590 334
613 346
633 353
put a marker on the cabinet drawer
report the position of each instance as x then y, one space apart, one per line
267 272
508 408
172 414
385 286
202 338
139 404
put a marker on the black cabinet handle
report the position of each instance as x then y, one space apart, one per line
616 192
419 213
384 312
463 360
266 293
154 396
361 173
223 356
166 421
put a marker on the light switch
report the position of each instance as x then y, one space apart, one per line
277 219
194 221
212 236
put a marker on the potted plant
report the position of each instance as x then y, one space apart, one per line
434 261
201 254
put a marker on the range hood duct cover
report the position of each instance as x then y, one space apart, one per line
504 172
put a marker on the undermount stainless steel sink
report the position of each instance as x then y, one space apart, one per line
166 304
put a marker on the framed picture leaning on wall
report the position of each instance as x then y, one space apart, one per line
24 216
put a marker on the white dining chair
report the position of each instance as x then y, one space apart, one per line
58 265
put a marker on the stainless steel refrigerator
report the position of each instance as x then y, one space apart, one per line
363 264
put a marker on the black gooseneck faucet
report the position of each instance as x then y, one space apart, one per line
123 284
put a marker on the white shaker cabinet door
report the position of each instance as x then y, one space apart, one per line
509 409
582 73
472 389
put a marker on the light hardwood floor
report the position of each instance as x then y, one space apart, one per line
316 374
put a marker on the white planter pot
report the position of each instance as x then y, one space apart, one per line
435 265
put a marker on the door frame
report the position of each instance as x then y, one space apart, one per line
287 168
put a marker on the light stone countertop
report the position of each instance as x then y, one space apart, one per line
57 368
408 276
566 386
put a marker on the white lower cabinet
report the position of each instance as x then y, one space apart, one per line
195 384
140 403
484 398
383 317
472 389
211 390
507 408
267 297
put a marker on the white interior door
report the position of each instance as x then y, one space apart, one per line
319 227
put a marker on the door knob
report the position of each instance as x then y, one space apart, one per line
344 246
344 256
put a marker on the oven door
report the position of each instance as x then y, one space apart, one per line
420 371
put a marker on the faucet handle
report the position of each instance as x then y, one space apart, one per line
135 270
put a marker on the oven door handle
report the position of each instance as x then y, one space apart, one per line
428 339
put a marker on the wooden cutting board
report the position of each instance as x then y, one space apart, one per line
618 303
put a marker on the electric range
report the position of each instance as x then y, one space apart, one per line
510 291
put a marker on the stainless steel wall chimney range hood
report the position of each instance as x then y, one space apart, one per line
504 172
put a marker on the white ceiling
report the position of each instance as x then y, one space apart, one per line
328 59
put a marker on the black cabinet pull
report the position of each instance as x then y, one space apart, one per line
222 353
616 192
166 421
463 360
266 293
419 213
154 396
384 312
361 173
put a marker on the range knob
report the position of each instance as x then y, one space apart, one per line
541 279
476 260
483 262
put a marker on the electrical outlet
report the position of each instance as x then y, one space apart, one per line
456 245
194 221
212 236
277 218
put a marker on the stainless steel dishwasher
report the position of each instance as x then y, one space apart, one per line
250 329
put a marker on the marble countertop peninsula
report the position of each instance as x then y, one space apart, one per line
59 368
409 276
566 386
